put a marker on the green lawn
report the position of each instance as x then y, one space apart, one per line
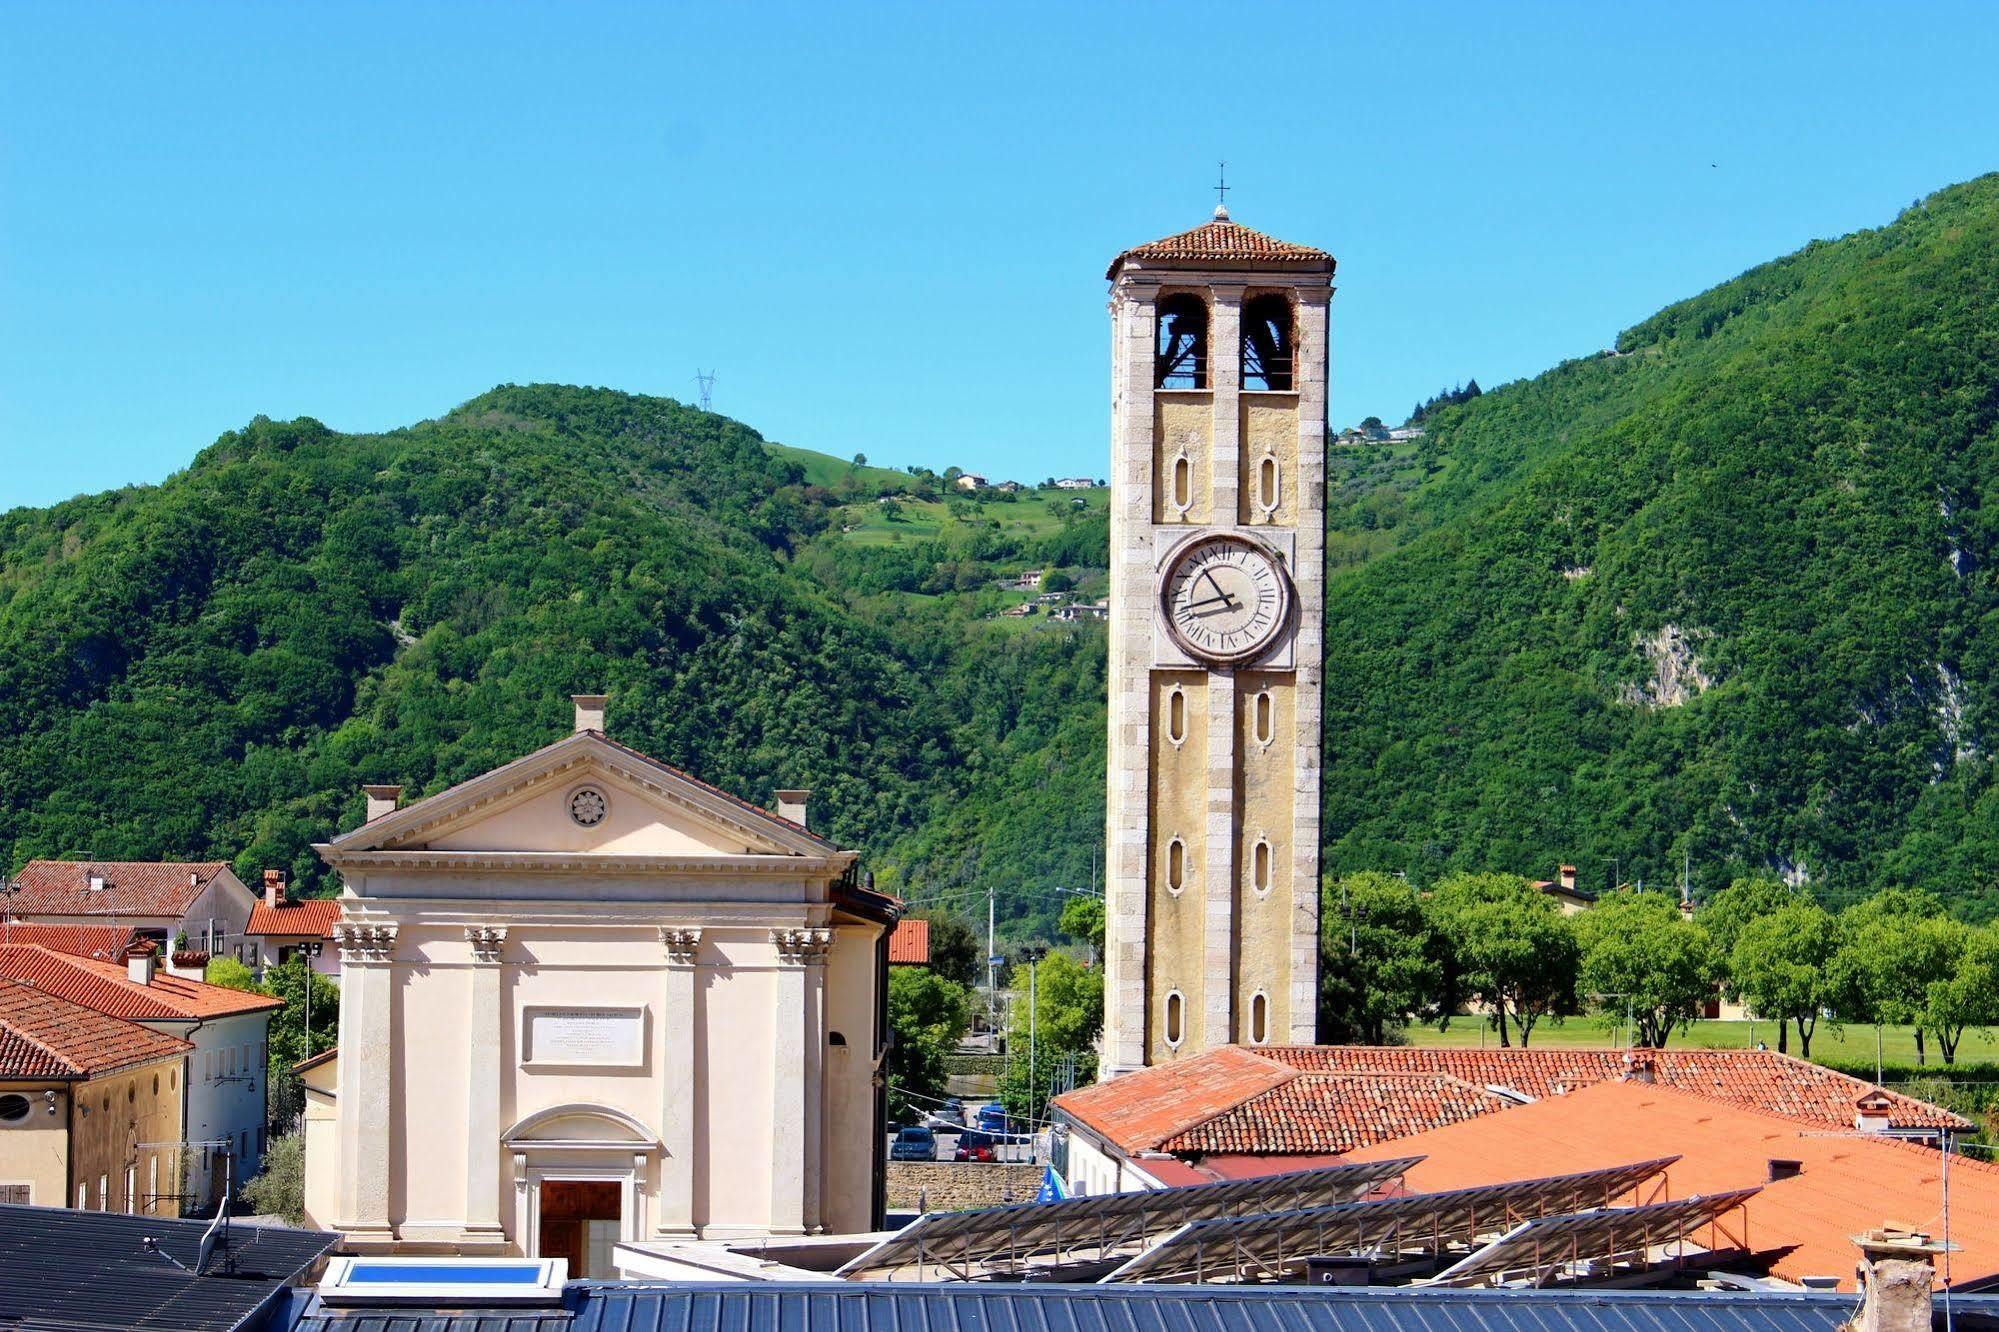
823 469
1853 1044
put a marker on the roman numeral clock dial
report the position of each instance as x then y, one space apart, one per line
1226 599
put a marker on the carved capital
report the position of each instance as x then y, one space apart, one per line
486 941
365 943
798 948
681 945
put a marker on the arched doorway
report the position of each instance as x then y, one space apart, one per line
580 1175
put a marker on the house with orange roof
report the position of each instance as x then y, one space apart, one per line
1240 1111
105 942
283 927
1819 1187
909 943
160 899
224 1092
88 1103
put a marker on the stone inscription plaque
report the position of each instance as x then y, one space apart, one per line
594 1037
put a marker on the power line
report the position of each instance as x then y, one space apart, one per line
706 379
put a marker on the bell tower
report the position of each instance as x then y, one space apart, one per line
1218 492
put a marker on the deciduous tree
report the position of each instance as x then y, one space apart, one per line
1779 967
1505 944
1642 957
1378 965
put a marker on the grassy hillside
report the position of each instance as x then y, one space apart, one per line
1724 596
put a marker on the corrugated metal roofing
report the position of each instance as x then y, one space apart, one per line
60 1267
757 1307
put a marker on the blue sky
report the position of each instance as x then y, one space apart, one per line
886 228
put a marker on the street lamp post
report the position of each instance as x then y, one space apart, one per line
1033 956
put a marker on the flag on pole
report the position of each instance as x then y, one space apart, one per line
1052 1188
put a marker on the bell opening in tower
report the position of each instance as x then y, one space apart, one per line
1268 344
1182 358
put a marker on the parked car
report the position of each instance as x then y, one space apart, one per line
913 1144
953 1110
992 1118
975 1146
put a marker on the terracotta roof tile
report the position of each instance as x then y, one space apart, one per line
1762 1079
1140 1111
43 1036
909 943
132 887
1328 1115
1222 242
1847 1183
105 987
311 917
100 941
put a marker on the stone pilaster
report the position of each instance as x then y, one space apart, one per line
1225 378
1308 576
679 1079
367 1073
484 1037
800 956
1218 883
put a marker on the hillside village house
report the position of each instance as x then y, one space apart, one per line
86 1102
588 998
226 1031
283 927
159 899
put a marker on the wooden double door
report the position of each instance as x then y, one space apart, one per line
581 1220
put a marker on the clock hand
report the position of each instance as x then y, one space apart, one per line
1225 599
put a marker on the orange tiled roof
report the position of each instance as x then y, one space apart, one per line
102 941
1761 1079
1329 1115
311 917
1140 1111
43 1036
1222 242
105 987
132 887
1846 1185
909 943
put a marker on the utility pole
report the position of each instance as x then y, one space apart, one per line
706 379
1034 955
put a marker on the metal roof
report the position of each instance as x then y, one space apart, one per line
90 1269
1549 1247
909 1307
1268 1245
1005 1242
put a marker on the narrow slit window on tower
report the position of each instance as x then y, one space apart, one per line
1269 344
1181 358
1259 866
1176 865
1183 483
1176 715
1266 484
1176 1017
1259 1018
1264 717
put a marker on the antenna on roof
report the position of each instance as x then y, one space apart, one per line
706 379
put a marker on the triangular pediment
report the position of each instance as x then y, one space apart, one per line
586 796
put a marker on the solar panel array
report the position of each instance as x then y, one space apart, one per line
1584 1245
1008 1243
1271 1244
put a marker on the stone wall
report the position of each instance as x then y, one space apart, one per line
944 1186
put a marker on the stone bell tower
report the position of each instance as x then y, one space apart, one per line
1218 492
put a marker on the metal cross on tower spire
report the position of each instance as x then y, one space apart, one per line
1222 190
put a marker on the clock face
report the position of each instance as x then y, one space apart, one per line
1226 599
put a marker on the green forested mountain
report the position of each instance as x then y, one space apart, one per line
1724 594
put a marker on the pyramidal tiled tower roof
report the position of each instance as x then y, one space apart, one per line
1222 241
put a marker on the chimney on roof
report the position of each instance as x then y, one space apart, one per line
1896 1271
1873 1111
796 806
1566 876
274 888
381 800
590 711
142 961
194 878
98 883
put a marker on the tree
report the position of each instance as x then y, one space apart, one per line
1745 899
1893 947
1779 963
1378 965
955 951
928 1016
1505 944
279 1189
1969 995
1641 956
1083 920
228 972
1066 1007
860 460
1057 581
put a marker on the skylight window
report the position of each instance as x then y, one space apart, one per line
438 1281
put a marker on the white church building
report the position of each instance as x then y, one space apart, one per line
587 998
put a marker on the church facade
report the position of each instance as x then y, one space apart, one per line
1218 369
587 998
